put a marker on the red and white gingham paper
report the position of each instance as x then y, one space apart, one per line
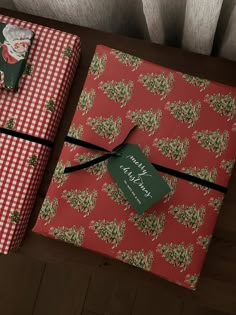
51 77
19 182
52 74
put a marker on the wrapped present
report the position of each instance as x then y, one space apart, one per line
28 124
186 128
15 43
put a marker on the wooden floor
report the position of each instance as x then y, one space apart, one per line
48 277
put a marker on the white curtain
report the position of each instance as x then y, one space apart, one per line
202 26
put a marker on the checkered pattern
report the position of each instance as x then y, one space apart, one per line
51 77
19 182
52 74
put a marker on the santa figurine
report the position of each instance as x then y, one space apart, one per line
16 43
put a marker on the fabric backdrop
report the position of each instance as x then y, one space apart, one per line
202 26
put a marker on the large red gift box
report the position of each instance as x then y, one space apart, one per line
186 124
34 110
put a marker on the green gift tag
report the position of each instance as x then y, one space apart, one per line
15 43
140 182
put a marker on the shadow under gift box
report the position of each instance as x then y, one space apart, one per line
35 109
184 123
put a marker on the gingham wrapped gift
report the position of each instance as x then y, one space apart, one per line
28 124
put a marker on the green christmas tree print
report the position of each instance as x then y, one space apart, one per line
33 160
107 128
116 194
86 100
118 91
213 141
48 210
98 169
67 52
178 255
59 176
227 166
15 217
203 173
146 151
110 232
50 106
98 65
190 216
149 224
204 241
137 258
192 280
225 105
186 112
215 203
126 59
196 81
70 235
147 120
81 200
172 182
10 124
158 84
174 149
74 132
28 69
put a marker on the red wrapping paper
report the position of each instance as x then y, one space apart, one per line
35 109
187 124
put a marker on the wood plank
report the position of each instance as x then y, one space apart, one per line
63 290
109 293
20 279
192 308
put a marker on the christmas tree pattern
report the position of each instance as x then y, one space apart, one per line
70 235
158 84
227 166
192 280
116 194
172 182
146 151
174 149
118 91
147 120
213 141
86 100
81 200
98 169
186 112
98 65
15 217
203 173
74 132
178 255
126 59
204 241
149 224
137 258
10 124
33 160
215 203
189 216
196 81
109 231
48 210
225 105
50 106
107 128
59 176
28 69
67 52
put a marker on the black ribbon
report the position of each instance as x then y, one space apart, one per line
160 168
25 136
